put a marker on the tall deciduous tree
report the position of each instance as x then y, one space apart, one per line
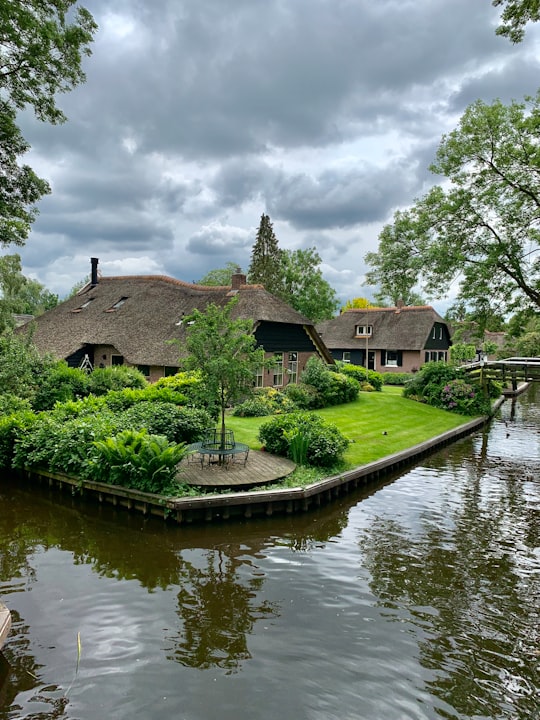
224 350
303 286
265 267
482 233
219 276
19 294
516 14
42 43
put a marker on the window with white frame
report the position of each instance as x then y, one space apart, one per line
391 359
259 377
346 356
364 330
292 367
278 369
435 356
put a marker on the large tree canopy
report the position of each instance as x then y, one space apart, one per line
42 43
292 275
219 276
516 14
19 294
303 286
480 231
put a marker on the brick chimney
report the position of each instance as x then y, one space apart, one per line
93 271
237 279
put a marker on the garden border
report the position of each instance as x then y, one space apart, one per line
253 503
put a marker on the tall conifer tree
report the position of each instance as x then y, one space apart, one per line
265 267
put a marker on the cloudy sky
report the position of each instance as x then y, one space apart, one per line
199 115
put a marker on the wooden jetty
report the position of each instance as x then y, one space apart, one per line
5 624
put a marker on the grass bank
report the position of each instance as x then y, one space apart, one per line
377 424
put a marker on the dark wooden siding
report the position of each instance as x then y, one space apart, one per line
436 343
357 356
280 337
76 358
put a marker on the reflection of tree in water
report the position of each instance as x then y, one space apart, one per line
218 609
475 570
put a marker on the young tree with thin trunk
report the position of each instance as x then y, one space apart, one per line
224 350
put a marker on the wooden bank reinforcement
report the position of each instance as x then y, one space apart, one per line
252 503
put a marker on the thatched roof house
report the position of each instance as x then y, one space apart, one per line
396 339
132 319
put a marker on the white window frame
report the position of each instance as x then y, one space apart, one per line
259 377
278 370
390 363
346 356
364 330
292 367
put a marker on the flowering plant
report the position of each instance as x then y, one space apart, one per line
461 397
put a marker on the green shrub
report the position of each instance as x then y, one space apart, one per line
10 403
333 387
461 397
326 445
430 379
265 401
190 384
89 405
304 397
255 406
396 378
117 377
60 445
11 428
58 384
361 375
119 400
177 424
136 460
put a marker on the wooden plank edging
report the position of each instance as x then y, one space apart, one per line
256 502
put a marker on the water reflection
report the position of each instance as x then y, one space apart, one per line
416 599
219 602
467 576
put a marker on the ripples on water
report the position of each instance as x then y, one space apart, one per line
418 600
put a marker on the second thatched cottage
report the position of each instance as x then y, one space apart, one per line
395 339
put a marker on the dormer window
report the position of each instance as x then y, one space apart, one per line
364 330
117 304
85 304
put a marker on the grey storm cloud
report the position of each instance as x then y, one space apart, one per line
196 117
341 199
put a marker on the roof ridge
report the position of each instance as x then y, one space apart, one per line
176 281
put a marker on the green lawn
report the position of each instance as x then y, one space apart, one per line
365 422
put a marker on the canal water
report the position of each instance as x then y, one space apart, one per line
416 599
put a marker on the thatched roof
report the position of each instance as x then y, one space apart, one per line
405 328
149 318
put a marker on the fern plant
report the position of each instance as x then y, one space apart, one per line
137 460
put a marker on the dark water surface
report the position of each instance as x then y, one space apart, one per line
419 598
